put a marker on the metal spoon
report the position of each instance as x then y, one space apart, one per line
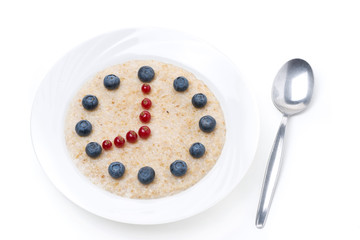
291 94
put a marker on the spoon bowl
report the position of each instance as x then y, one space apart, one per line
293 87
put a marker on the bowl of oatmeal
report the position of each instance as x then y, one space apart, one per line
98 130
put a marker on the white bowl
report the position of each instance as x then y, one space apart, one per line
80 64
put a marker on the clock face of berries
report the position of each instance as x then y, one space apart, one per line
144 129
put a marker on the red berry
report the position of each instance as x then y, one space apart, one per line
144 132
119 141
106 144
146 103
145 88
131 136
145 116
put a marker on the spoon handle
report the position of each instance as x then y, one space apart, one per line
271 176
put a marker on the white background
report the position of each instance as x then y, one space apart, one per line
318 195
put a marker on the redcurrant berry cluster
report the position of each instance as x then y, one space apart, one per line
144 131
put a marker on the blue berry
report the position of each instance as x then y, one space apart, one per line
111 82
146 74
181 84
116 169
83 128
93 149
146 175
178 168
90 102
207 123
199 100
197 150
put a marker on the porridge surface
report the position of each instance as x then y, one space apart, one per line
174 128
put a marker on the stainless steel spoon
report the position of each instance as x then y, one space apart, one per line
291 94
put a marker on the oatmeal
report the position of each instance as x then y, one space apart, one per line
170 137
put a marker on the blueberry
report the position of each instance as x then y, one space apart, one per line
111 82
178 168
90 102
83 128
181 84
116 169
146 175
197 150
207 123
93 149
146 74
199 100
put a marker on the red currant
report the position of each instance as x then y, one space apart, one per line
145 88
131 136
106 144
145 116
146 103
144 132
119 141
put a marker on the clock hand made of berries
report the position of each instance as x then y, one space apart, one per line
145 174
